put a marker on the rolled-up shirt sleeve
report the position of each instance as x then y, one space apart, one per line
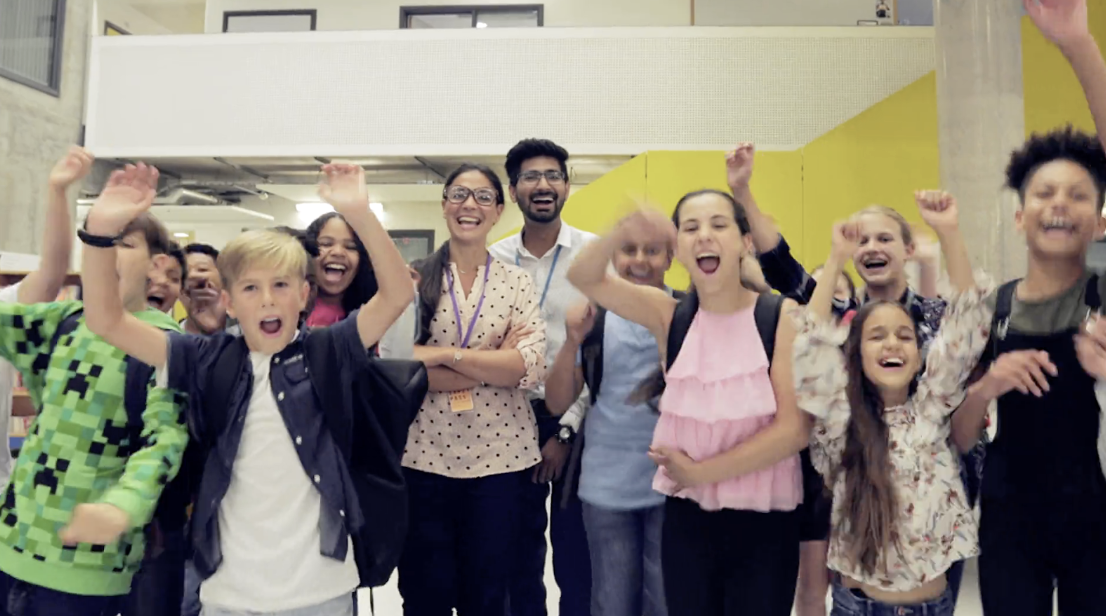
526 312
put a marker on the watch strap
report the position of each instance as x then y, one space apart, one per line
96 241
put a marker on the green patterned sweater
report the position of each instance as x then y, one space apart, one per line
76 451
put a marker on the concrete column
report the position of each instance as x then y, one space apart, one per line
35 130
981 117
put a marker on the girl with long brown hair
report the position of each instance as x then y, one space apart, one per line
901 518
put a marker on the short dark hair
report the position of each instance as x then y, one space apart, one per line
1065 143
363 286
156 235
197 248
177 253
532 148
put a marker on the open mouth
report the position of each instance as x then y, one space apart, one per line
157 301
1058 225
468 222
892 362
271 326
639 275
544 201
333 272
708 262
875 264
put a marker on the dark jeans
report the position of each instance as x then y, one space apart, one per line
459 544
571 561
1029 549
728 562
848 602
158 587
18 598
626 561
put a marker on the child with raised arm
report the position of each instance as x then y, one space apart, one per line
88 477
901 518
279 523
1043 503
729 433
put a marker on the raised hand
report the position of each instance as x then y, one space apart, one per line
846 239
344 188
579 321
72 167
1061 21
128 193
95 523
938 209
739 166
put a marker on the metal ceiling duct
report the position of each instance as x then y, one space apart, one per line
186 196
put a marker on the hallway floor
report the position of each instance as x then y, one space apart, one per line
388 602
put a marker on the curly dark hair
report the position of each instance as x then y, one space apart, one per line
532 148
1065 143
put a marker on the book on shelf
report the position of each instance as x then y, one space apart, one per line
20 426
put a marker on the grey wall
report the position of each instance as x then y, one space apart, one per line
35 130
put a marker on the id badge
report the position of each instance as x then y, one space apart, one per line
460 401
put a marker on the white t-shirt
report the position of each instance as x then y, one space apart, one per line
269 521
8 377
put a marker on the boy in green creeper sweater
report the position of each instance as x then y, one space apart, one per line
86 481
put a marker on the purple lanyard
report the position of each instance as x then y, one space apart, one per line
479 305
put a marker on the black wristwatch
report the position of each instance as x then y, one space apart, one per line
565 435
96 241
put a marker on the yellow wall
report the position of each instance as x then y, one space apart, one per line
880 156
1052 94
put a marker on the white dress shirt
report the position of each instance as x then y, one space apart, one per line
550 272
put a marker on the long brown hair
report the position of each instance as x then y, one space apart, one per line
870 504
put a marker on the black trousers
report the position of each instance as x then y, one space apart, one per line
729 563
459 544
1029 548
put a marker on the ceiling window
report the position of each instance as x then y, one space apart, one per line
31 33
476 16
269 21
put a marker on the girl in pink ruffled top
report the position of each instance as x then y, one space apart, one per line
730 431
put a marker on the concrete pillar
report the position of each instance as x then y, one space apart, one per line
981 117
35 130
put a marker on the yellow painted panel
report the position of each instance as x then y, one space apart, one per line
878 157
777 184
1053 97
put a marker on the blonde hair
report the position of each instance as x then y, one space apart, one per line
904 227
265 248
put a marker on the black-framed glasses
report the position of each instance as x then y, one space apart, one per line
460 194
534 176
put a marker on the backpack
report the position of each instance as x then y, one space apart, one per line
171 511
371 444
766 314
591 350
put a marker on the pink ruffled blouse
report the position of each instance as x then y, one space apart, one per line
719 394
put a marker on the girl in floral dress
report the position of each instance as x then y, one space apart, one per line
901 518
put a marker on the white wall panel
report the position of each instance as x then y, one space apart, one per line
473 92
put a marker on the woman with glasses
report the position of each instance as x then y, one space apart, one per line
483 342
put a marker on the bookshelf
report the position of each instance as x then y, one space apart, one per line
23 408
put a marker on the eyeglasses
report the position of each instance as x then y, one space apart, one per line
533 177
460 194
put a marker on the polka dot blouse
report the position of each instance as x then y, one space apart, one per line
498 435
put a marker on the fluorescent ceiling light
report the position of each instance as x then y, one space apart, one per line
250 212
481 24
377 208
179 234
317 209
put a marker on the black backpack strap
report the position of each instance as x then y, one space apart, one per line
591 354
766 314
67 326
1091 296
682 318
